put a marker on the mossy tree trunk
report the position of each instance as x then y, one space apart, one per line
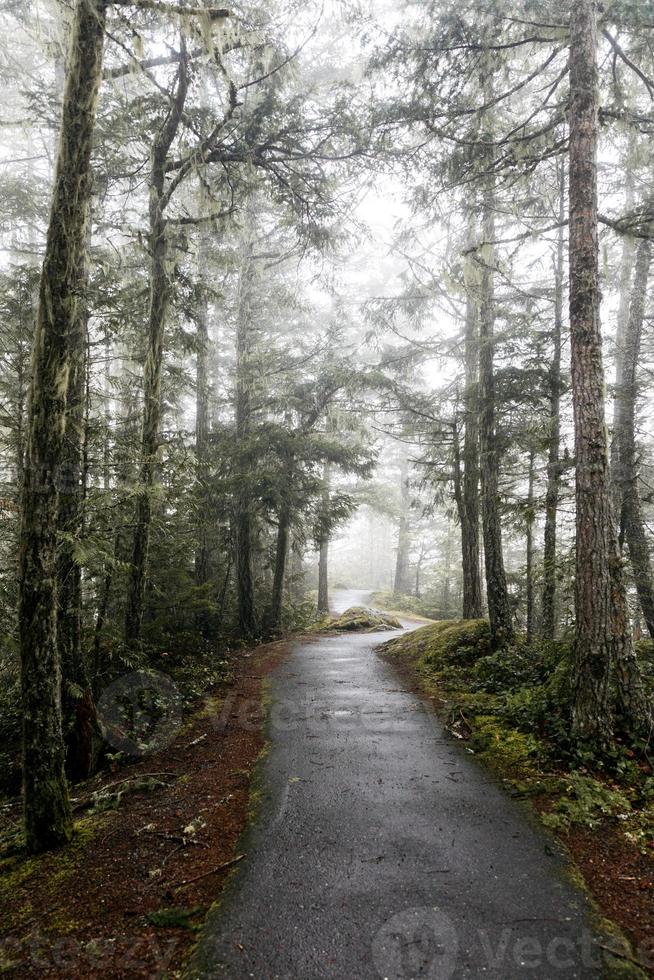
625 278
603 637
592 717
529 542
323 546
47 810
548 619
77 699
281 555
243 522
632 527
499 608
160 292
202 553
469 509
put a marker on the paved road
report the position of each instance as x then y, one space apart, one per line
382 850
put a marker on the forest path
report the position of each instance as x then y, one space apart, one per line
381 848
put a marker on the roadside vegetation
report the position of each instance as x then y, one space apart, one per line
511 709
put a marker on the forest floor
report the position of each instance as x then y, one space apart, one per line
156 842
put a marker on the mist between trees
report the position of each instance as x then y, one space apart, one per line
299 293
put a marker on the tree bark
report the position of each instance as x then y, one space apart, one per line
626 274
420 559
47 810
77 699
243 416
603 636
531 606
469 511
323 577
401 581
554 440
202 569
323 544
499 609
447 574
160 292
632 527
281 554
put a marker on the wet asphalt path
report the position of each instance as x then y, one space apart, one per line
382 849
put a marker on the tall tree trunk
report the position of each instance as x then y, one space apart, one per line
401 581
323 545
531 607
469 512
281 554
129 427
77 699
26 308
447 573
626 274
202 570
421 558
160 292
603 635
47 809
243 413
499 609
554 435
323 576
632 524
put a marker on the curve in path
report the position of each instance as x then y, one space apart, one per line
382 849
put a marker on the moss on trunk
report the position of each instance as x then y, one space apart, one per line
47 812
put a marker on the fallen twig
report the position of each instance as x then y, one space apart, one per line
197 740
619 954
205 874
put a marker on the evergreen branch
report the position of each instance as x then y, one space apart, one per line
200 219
649 84
213 13
167 59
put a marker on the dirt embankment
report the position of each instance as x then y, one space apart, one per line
156 842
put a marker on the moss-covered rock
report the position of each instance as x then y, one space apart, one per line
359 619
458 642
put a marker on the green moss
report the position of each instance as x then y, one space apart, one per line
449 642
623 965
177 918
14 871
53 867
6 962
510 753
61 923
86 829
359 619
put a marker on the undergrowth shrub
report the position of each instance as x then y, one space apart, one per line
586 802
509 752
